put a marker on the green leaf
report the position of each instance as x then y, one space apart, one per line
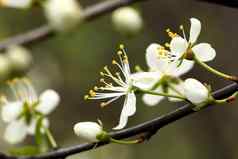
24 151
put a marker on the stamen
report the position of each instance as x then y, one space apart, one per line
170 33
182 29
92 93
86 97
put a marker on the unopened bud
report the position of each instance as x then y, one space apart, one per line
127 20
20 58
90 131
64 14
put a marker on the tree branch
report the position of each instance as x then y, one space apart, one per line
45 31
152 125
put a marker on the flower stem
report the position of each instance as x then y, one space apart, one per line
228 99
125 142
161 94
214 71
51 138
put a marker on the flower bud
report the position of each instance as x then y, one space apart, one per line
196 92
90 131
127 20
62 15
20 58
16 3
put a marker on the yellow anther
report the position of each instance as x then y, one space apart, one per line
95 88
181 27
103 104
167 45
172 35
102 73
114 62
167 30
119 52
102 80
92 93
121 46
86 97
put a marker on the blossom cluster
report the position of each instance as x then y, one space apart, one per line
26 112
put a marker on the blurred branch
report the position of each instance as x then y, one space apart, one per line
45 31
151 126
230 3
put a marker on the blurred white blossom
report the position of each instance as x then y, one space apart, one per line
63 14
16 3
22 113
20 58
127 20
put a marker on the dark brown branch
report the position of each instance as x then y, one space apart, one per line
152 125
45 31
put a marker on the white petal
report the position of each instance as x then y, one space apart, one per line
32 127
178 90
204 52
178 46
129 109
152 100
194 30
11 111
195 91
145 80
48 101
16 3
153 60
15 132
88 130
174 69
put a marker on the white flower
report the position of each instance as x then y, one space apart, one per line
127 20
123 87
196 92
181 47
63 14
16 3
19 58
163 67
88 130
21 114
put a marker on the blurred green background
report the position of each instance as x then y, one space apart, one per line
71 62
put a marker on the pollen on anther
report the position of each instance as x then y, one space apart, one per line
167 45
103 104
119 53
121 46
86 97
95 88
92 93
181 27
114 62
102 74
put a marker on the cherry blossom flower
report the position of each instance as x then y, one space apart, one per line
163 75
123 87
22 113
182 48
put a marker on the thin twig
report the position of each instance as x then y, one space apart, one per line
149 126
45 31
